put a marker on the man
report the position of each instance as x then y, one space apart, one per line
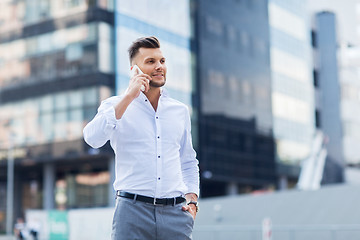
155 162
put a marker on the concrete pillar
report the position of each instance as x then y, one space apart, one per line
112 179
283 183
232 189
49 185
18 196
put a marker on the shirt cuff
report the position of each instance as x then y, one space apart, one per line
110 116
193 189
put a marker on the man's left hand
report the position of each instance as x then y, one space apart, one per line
191 208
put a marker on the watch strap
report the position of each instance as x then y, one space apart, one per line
195 203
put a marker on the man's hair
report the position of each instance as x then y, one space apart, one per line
144 42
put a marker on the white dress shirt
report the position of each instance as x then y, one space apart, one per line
154 155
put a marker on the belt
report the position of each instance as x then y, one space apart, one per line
155 201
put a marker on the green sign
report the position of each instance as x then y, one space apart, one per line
58 225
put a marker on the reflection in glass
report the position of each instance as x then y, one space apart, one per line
82 190
46 123
46 103
90 96
61 101
62 53
75 99
48 118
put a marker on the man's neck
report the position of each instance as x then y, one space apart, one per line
153 95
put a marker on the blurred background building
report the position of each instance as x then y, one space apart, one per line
56 64
327 94
292 87
236 146
346 20
244 68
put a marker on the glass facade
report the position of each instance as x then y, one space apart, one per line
350 87
350 102
243 94
292 83
16 14
347 26
174 36
329 88
50 118
59 54
78 190
234 94
51 56
56 65
349 74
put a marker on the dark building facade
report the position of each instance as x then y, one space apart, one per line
236 146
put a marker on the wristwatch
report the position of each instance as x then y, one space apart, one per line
196 205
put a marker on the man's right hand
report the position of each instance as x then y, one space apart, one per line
136 82
133 92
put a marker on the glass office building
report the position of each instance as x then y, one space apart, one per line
236 148
172 25
292 86
58 61
328 94
56 64
347 25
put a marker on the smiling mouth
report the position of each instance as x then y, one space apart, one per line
158 75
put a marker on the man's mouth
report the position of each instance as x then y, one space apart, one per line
158 75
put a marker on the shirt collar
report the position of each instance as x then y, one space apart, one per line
163 93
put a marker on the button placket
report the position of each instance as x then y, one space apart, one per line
159 156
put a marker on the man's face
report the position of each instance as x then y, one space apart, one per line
152 62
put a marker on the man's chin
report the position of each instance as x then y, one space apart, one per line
157 84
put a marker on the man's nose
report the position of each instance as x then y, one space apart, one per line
158 66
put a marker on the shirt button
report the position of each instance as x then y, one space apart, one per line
157 117
145 100
158 136
158 178
158 156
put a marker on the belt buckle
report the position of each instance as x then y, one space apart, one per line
154 201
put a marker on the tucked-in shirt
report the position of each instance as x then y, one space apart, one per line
154 155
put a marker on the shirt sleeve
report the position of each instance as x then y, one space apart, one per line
99 130
189 163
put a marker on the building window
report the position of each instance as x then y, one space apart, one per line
317 119
31 191
230 36
313 39
214 26
77 190
56 117
250 4
316 78
244 40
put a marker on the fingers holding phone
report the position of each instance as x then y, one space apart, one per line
139 81
136 71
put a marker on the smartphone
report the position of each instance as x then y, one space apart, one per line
134 72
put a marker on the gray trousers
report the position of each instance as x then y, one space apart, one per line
144 221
